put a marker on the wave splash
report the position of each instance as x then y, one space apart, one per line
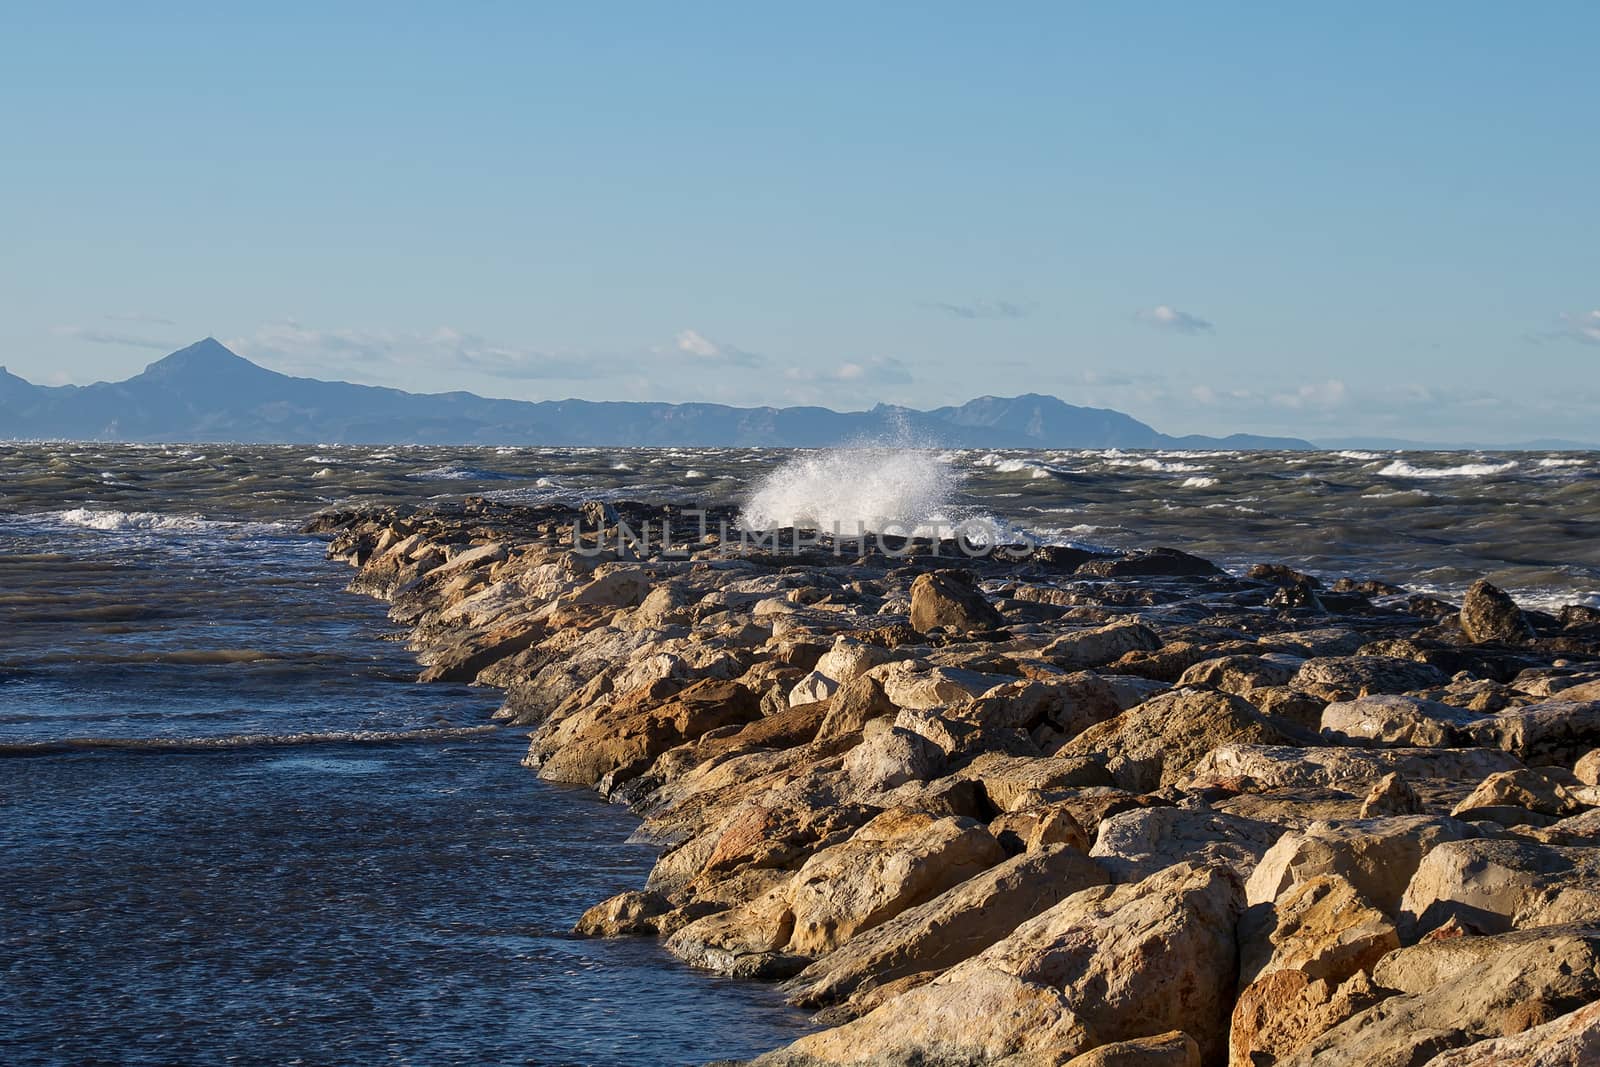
874 488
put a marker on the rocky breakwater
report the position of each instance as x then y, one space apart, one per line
1055 807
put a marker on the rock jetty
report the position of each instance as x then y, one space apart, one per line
1048 806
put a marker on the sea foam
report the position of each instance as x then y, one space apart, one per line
873 488
1401 469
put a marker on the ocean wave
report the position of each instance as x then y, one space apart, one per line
111 520
456 472
158 745
1155 465
1199 482
1563 462
1402 469
1351 453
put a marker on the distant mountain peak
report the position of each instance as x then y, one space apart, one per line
205 360
206 392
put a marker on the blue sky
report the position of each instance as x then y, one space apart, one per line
1348 219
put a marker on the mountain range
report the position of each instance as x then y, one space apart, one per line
205 392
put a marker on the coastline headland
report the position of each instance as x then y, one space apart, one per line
1043 805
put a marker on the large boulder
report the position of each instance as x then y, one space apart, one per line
1242 674
1350 677
1495 885
1573 1040
1304 963
951 927
1395 721
950 600
1556 731
1321 926
626 741
1354 769
1135 844
1161 740
897 860
1488 614
1377 857
1104 965
1452 994
1083 649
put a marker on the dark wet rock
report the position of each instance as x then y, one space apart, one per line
950 600
1165 562
1488 614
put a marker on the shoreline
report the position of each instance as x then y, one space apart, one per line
974 810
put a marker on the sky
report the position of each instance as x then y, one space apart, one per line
1322 220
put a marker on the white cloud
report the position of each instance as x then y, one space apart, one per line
1317 396
109 337
1583 327
879 370
1166 317
982 309
290 345
694 343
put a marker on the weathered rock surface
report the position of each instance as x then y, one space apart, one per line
1451 995
1104 965
1161 740
957 924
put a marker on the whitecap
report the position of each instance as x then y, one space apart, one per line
1402 469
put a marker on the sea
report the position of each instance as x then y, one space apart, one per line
234 829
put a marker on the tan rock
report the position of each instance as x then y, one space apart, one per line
953 926
633 736
1133 845
1161 740
1014 782
1349 677
1376 856
1573 1040
1241 675
1497 885
1355 769
1394 721
1283 1011
1083 649
1390 795
1496 987
1321 927
1557 731
1172 1049
855 703
1547 791
1587 769
896 861
910 686
1104 965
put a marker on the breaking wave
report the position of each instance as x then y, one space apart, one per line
111 520
1401 469
875 489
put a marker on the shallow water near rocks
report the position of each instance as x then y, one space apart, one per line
280 849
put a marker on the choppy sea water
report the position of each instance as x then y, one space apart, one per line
234 830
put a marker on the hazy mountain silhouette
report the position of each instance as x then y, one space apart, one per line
207 393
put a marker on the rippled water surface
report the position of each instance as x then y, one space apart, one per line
235 830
